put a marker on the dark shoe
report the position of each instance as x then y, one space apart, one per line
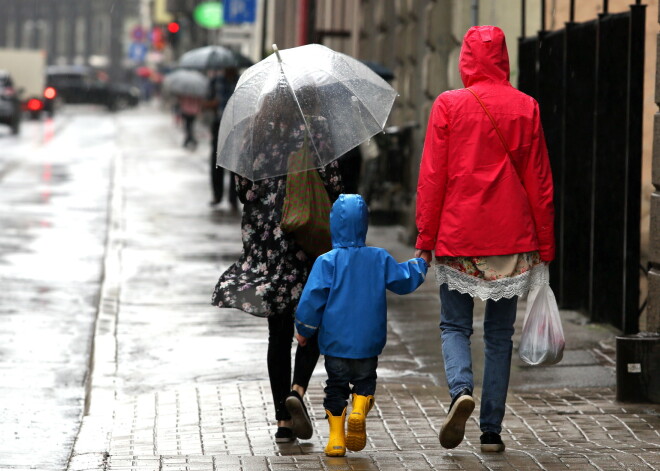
284 435
302 425
491 442
214 202
453 428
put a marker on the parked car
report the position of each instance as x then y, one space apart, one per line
80 84
10 105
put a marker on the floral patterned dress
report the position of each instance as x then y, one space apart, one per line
492 277
269 277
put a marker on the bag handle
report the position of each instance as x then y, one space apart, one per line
298 159
497 129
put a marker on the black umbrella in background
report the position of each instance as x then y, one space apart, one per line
187 83
213 58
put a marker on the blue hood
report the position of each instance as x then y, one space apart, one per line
349 221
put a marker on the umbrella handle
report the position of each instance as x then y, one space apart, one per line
277 52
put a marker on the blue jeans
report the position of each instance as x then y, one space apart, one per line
342 372
456 327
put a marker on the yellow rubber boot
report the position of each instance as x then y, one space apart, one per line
336 442
356 436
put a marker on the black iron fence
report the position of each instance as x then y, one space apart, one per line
588 80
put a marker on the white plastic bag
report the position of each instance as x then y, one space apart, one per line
542 341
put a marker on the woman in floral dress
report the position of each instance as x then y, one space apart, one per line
269 277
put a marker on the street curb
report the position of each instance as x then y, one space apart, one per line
93 438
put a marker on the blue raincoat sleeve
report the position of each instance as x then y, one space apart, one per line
404 278
314 297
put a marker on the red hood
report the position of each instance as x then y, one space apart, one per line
484 56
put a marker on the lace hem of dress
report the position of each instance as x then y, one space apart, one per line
518 285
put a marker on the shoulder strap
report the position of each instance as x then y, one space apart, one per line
497 129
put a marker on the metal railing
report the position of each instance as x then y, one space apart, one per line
588 80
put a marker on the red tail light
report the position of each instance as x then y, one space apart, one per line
34 105
50 93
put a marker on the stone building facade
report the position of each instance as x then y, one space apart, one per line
89 32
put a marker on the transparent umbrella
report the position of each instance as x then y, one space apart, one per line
186 82
313 97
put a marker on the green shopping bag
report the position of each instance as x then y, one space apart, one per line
306 210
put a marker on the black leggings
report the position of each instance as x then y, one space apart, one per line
280 335
189 121
218 173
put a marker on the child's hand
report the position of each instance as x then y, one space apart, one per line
302 341
425 254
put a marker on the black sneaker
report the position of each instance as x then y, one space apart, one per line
302 425
284 435
491 442
453 428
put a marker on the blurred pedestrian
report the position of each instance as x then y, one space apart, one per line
271 272
221 88
485 207
344 302
189 107
351 168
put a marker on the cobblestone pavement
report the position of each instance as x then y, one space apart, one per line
180 385
225 427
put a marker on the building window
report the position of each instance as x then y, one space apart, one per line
63 32
80 36
102 33
43 35
11 35
27 34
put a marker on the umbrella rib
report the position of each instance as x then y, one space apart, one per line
307 127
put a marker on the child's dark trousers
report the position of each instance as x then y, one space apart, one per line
342 372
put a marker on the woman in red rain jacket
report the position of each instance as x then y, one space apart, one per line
484 208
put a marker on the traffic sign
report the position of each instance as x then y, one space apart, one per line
240 11
137 51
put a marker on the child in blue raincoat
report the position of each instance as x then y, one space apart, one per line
344 300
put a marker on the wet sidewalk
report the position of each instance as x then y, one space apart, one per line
180 385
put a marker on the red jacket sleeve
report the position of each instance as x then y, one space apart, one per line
432 181
537 180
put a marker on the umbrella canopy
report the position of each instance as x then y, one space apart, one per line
186 82
213 58
315 96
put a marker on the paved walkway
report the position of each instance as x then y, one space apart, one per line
180 385
226 427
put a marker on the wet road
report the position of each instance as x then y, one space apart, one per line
54 187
